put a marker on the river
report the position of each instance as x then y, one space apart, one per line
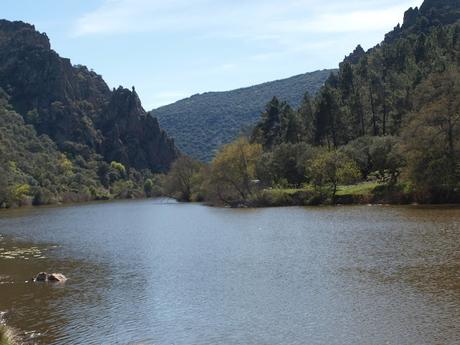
155 272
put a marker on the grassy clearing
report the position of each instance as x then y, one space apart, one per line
365 188
308 195
289 191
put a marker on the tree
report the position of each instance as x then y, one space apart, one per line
118 167
287 163
432 137
233 172
268 131
377 155
331 168
179 181
306 114
329 128
291 128
149 187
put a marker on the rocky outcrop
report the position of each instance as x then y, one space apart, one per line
354 57
74 106
431 13
131 136
44 277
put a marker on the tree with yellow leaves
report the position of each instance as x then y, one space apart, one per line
233 177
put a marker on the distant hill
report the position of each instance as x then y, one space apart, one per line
202 123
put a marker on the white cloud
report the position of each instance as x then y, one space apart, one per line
254 19
255 34
355 21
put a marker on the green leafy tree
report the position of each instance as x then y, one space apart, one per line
306 114
329 129
432 137
268 131
377 155
329 169
179 182
149 187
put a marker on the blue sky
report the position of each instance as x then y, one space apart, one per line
171 49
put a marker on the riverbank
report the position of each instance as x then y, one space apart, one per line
366 193
359 194
76 202
7 336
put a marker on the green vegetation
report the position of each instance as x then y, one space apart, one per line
6 336
202 123
232 174
182 179
386 128
34 171
362 189
64 135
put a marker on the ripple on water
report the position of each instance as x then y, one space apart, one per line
142 273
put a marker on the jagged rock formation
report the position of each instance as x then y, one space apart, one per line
354 57
127 127
431 13
74 106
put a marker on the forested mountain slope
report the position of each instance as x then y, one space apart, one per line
202 123
68 113
393 112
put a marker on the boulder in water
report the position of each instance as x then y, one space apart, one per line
50 277
57 277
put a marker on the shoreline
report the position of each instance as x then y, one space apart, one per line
7 336
276 198
354 195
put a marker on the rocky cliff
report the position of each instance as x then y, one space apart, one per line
74 106
431 13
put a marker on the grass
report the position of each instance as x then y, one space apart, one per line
290 191
307 195
365 188
285 197
6 336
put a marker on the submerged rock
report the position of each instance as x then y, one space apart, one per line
51 277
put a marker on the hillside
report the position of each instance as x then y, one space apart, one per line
74 106
64 113
390 118
384 129
202 123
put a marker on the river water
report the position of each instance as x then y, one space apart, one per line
154 272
